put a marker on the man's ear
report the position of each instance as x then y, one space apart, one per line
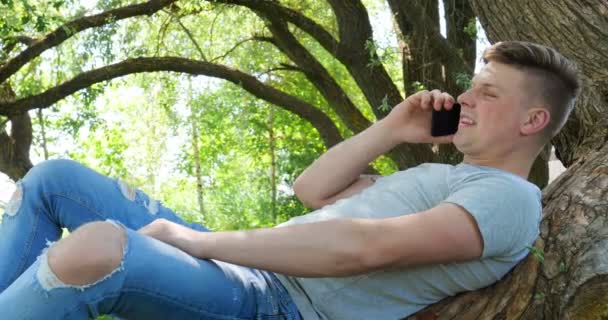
536 120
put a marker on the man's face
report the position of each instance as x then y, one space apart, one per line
492 111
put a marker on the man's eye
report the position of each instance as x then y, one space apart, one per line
489 94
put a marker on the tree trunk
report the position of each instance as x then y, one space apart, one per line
197 167
45 150
15 146
567 278
272 140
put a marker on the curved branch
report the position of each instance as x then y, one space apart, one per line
316 73
66 31
272 8
327 129
374 81
355 33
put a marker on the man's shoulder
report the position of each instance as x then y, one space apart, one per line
494 186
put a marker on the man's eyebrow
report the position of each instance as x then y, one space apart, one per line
486 84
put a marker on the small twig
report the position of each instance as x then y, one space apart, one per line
213 25
13 41
28 41
238 44
189 34
283 67
265 39
163 30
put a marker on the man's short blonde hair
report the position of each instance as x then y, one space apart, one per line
554 78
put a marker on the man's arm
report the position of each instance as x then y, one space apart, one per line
341 247
346 246
337 173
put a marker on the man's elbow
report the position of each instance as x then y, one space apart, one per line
304 194
375 256
350 260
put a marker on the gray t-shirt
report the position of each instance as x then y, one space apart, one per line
506 207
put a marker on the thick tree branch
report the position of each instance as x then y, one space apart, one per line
272 8
356 54
318 76
411 18
373 79
318 119
460 19
353 23
67 30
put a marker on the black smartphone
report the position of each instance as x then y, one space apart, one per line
445 122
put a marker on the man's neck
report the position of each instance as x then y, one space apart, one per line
517 164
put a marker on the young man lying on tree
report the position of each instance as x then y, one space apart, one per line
375 248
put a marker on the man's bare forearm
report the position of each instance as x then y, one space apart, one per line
341 165
320 249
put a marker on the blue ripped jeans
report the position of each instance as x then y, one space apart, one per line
154 281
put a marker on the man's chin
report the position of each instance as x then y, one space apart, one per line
461 143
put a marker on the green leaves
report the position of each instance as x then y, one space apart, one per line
539 296
372 49
471 28
384 106
463 80
537 253
26 17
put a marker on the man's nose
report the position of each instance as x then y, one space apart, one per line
465 99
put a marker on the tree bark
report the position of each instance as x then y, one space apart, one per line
427 51
571 281
15 146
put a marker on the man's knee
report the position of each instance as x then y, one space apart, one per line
89 254
55 169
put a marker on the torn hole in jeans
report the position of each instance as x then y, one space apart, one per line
13 205
48 279
131 194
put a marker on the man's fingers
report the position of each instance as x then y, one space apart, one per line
425 99
448 101
437 98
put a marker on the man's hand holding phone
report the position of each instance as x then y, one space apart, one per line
411 120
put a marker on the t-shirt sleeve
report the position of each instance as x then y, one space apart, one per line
507 211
